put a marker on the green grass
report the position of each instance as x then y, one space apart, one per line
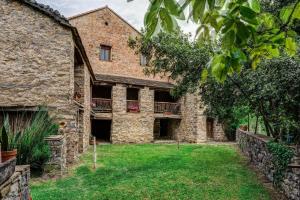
157 172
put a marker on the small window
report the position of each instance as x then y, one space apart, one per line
105 52
143 60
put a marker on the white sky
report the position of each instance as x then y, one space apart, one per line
133 12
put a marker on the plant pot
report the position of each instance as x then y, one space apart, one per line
7 155
7 169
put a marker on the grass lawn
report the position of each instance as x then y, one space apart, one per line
157 172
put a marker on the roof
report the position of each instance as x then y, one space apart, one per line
102 8
132 81
54 14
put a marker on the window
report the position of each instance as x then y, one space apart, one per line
105 52
143 60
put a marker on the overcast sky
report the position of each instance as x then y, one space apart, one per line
133 12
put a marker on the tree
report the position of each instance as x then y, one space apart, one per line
246 33
271 92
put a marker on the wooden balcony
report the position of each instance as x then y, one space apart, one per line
167 108
133 106
102 105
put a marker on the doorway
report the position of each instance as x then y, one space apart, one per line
101 129
210 128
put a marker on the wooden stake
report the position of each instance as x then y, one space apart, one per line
95 155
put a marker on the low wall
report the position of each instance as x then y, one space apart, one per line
57 163
17 186
255 147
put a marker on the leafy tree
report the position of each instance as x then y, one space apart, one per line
246 33
271 92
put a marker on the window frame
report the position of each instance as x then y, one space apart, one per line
105 49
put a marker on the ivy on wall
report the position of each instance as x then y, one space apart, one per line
281 157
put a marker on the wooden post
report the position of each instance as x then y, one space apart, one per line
95 155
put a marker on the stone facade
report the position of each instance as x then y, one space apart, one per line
17 186
104 27
254 147
139 127
132 127
37 58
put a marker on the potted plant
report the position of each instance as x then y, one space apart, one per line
8 142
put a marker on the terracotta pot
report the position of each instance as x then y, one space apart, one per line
6 155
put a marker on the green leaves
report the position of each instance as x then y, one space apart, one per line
290 46
254 5
285 13
174 8
166 20
198 10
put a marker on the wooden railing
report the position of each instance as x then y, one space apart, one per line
102 105
133 106
167 108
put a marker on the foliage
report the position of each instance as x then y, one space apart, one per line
281 157
173 55
246 33
271 92
8 140
30 143
151 171
32 148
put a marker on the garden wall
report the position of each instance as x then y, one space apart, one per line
254 147
17 186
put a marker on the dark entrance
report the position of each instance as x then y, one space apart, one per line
210 128
164 126
164 129
101 129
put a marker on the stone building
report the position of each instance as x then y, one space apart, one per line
129 107
43 63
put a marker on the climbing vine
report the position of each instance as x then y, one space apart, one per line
281 157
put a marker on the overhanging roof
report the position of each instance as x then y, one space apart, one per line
133 81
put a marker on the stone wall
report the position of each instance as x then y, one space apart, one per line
114 32
254 147
57 162
132 127
17 186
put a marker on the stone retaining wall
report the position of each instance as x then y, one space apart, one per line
254 147
17 186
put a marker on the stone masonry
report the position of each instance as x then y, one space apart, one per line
37 59
17 186
255 148
139 125
134 127
57 162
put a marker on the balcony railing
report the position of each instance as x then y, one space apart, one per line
167 108
102 105
133 106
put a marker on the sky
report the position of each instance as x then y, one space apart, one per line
133 12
